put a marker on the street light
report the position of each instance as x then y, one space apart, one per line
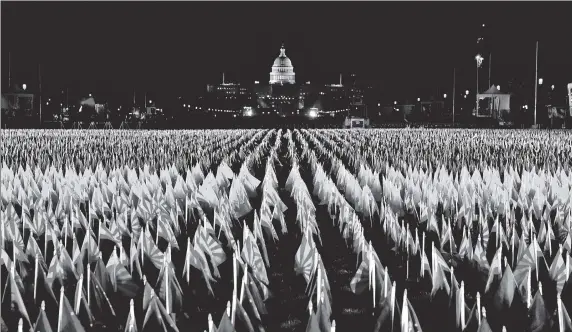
479 60
445 95
395 102
418 99
498 87
540 81
24 86
552 87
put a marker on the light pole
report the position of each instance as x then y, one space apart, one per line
454 76
479 60
40 86
536 85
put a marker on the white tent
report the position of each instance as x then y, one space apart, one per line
356 122
498 103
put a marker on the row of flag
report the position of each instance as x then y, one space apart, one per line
86 242
394 203
120 218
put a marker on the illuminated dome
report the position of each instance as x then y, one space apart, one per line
282 60
282 69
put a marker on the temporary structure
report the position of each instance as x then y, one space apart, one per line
496 103
356 122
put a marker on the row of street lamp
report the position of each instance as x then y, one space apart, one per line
540 82
444 96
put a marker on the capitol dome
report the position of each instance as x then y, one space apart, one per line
282 61
282 69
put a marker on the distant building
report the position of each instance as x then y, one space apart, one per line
227 90
227 97
356 98
282 95
18 101
282 70
308 96
334 98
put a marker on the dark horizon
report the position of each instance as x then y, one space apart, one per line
176 48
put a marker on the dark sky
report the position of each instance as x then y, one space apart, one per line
166 48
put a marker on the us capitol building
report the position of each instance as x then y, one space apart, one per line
282 96
282 69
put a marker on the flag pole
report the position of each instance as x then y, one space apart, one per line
36 275
235 284
454 76
167 307
40 83
45 237
88 272
9 70
187 259
477 92
78 294
490 62
536 84
243 285
560 313
60 311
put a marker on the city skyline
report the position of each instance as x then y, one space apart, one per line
177 48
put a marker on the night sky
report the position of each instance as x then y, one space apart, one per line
176 48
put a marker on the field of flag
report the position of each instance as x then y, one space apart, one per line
286 230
